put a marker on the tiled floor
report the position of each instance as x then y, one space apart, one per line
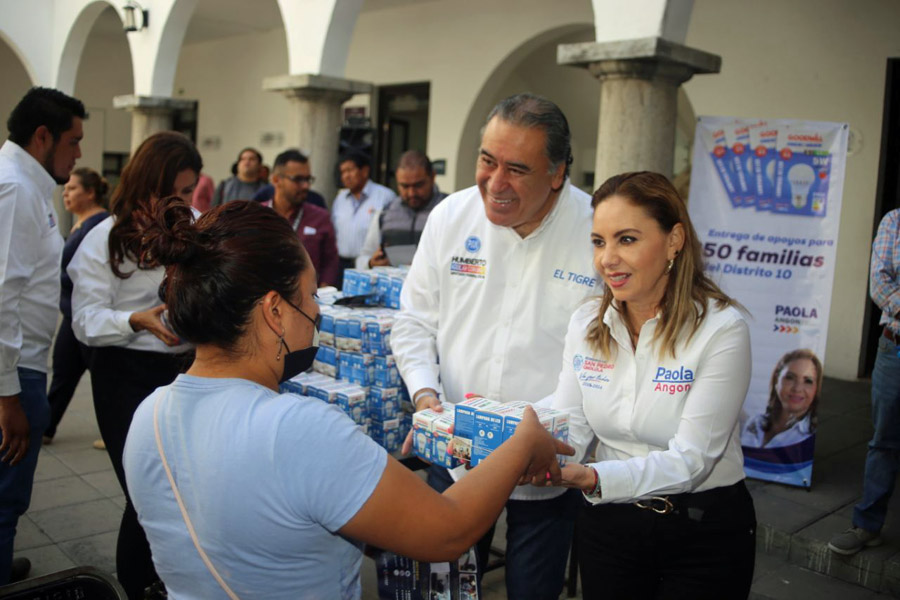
77 504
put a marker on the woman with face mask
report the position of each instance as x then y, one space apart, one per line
656 371
116 311
247 492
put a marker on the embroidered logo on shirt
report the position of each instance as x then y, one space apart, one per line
473 244
51 220
673 381
565 275
588 363
592 372
468 267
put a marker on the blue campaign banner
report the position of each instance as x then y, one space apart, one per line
791 464
765 201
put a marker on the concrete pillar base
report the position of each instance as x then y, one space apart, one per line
315 120
149 114
639 82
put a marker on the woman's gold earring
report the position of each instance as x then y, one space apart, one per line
670 265
280 347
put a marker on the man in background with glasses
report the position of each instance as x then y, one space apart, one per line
292 180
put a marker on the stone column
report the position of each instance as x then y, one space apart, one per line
315 120
149 114
639 81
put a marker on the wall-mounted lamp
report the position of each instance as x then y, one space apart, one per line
130 8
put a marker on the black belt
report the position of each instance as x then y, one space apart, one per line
890 335
694 500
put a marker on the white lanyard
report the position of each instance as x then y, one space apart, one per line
187 519
299 216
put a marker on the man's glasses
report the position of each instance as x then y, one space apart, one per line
298 179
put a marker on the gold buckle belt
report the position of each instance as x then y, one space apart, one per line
658 504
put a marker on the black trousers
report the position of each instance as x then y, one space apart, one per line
121 379
704 550
70 361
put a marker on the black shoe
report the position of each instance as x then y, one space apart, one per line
20 569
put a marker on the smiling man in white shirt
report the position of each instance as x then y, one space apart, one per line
499 270
45 130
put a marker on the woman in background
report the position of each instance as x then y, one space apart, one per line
116 311
790 415
84 195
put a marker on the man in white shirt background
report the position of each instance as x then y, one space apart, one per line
45 130
498 272
355 205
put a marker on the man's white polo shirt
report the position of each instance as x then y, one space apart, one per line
486 311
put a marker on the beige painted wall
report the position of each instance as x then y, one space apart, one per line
226 77
819 60
456 45
15 83
104 72
574 90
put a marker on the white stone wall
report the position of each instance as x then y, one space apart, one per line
226 76
807 59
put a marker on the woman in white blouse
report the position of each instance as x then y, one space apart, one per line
790 415
656 370
116 309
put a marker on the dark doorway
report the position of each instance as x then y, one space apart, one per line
184 120
402 125
886 199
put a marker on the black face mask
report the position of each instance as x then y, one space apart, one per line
300 361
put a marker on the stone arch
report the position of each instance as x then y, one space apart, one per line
73 47
318 35
164 58
18 77
492 85
23 59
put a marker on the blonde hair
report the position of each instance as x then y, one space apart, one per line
688 289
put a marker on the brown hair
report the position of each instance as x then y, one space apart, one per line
688 289
773 408
219 267
93 182
149 174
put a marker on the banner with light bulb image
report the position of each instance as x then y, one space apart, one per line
766 201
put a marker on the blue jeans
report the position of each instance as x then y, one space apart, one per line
883 458
538 540
15 482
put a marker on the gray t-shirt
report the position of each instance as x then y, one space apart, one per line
235 189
